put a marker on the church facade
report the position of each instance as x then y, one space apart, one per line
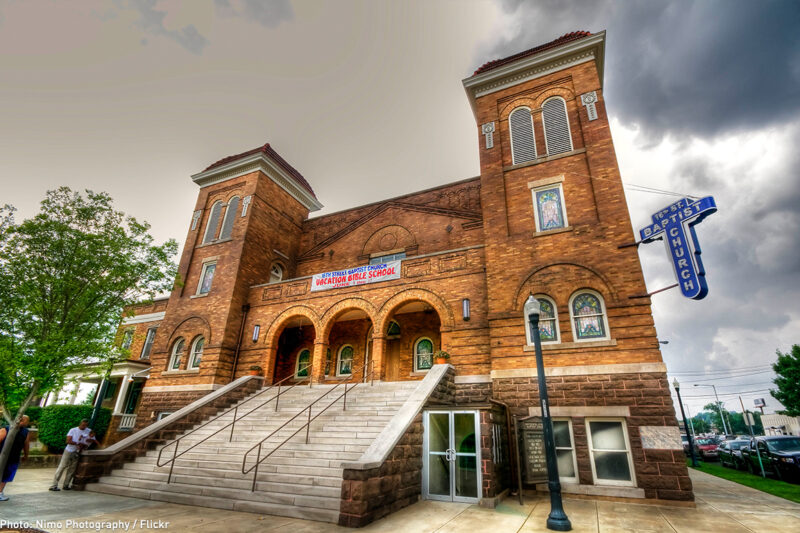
376 291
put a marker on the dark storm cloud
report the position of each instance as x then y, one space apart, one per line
269 14
681 67
151 21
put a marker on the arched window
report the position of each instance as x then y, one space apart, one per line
213 222
588 315
393 331
177 354
230 216
523 144
197 352
548 322
557 136
423 354
275 273
303 364
344 363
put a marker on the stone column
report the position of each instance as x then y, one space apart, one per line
318 362
378 350
121 396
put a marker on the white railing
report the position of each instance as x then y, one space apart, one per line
127 422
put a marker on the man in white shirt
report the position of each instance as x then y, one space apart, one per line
69 459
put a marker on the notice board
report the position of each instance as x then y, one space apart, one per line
530 439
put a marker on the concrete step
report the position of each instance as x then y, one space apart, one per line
234 479
297 510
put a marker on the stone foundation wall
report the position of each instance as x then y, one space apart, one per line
495 476
473 392
153 403
368 495
662 473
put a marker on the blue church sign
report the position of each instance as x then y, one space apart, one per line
675 224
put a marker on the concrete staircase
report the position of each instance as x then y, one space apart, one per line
299 480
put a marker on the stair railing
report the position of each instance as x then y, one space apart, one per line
307 423
232 424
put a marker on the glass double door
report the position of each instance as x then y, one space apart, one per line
451 469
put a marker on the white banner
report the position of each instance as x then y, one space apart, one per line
355 276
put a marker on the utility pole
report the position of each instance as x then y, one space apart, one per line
691 422
719 406
685 425
752 437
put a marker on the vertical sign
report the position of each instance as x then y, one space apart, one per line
531 447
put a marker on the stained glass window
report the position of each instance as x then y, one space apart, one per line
197 352
303 361
548 327
207 278
345 361
549 209
588 316
177 354
423 354
328 362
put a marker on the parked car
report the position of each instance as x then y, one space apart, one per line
730 453
780 456
685 442
705 449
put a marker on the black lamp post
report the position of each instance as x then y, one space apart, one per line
557 520
685 422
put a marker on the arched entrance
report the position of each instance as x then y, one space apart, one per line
412 333
294 350
349 345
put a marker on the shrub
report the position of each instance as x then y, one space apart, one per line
56 420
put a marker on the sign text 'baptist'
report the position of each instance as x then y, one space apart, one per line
675 224
356 276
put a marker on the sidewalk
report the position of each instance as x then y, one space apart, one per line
721 506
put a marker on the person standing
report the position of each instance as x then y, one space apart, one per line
20 445
69 459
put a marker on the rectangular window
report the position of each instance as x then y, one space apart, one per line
548 206
610 453
206 278
565 451
163 414
386 258
148 344
127 339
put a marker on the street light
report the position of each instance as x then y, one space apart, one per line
719 406
557 520
685 422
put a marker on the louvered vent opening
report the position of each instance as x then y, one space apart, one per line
230 215
213 221
556 127
523 145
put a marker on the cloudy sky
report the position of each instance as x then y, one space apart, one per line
365 99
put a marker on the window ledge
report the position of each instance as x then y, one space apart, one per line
572 345
553 231
180 372
198 295
544 159
212 243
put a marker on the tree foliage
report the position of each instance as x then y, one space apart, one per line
65 276
787 368
734 420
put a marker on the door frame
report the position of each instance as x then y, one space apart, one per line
426 456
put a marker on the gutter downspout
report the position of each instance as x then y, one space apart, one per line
245 309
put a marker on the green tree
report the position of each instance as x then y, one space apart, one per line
65 276
700 425
787 367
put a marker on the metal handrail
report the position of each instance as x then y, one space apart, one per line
307 424
232 424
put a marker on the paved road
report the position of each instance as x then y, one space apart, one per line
721 506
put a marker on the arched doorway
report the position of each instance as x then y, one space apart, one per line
413 334
349 345
294 350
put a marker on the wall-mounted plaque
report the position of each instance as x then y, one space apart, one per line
530 436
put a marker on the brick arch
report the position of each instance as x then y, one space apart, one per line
390 237
441 307
563 92
559 281
329 317
271 338
518 102
194 325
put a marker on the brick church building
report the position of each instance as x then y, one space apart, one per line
369 295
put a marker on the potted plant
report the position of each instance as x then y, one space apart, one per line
441 357
255 370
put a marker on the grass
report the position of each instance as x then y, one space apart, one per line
769 485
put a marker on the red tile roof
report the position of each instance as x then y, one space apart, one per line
272 154
566 38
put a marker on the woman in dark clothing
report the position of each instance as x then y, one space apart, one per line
21 444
